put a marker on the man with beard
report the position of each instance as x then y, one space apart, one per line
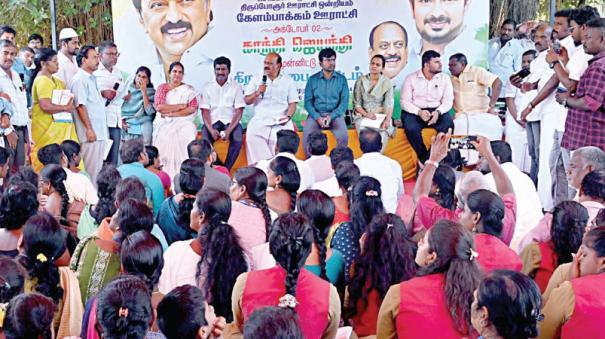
222 107
326 100
505 52
390 40
440 24
70 44
176 29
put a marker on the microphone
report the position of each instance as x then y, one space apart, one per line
262 95
115 88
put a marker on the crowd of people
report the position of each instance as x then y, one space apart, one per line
119 220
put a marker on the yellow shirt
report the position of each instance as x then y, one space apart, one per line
470 90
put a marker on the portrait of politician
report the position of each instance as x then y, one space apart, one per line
390 40
177 28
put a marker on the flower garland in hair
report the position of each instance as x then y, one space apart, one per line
473 254
287 301
3 307
371 193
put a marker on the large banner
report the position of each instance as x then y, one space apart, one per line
155 33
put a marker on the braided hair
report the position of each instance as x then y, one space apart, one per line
55 175
290 244
107 181
255 182
569 220
365 203
222 259
319 209
191 180
290 177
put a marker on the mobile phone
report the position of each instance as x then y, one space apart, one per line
521 74
461 142
556 46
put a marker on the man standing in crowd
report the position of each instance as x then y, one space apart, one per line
23 66
504 53
70 44
327 100
586 120
108 77
7 33
35 42
390 40
561 29
427 96
13 90
222 108
273 97
90 117
471 84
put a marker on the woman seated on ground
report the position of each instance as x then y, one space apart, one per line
52 185
17 204
386 258
29 315
273 322
283 177
436 302
43 247
155 166
507 305
72 149
346 174
483 214
12 280
575 309
93 215
365 204
541 259
314 299
173 216
213 260
250 216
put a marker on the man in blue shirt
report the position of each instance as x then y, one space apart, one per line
326 100
505 53
134 157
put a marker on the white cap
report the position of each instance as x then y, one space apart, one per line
67 33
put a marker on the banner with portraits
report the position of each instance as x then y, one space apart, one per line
154 33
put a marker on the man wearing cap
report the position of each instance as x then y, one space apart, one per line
70 43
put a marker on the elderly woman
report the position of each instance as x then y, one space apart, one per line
372 98
138 111
174 127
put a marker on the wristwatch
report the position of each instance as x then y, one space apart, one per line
431 162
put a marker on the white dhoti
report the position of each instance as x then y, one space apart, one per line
483 124
516 136
547 132
261 137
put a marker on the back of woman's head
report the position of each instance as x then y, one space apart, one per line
290 177
134 216
132 188
141 255
445 182
569 220
55 175
273 322
191 180
18 202
25 173
29 316
346 173
107 181
181 313
290 243
12 279
365 203
43 243
595 239
599 220
319 210
70 149
255 182
387 258
491 208
513 303
222 259
124 308
454 247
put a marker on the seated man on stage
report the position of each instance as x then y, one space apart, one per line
426 98
326 100
222 107
273 97
475 110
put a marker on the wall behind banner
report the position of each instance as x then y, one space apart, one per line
198 31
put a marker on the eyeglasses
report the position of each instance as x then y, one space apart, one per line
117 54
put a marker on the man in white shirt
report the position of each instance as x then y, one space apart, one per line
286 146
504 53
273 97
529 208
108 77
70 44
382 168
318 161
222 107
13 90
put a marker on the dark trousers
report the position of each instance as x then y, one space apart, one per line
413 126
20 153
235 141
115 134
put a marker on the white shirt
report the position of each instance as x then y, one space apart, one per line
388 172
529 207
180 266
569 45
67 68
521 100
306 174
274 103
321 167
578 63
106 80
505 60
328 186
548 108
222 101
16 90
79 187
